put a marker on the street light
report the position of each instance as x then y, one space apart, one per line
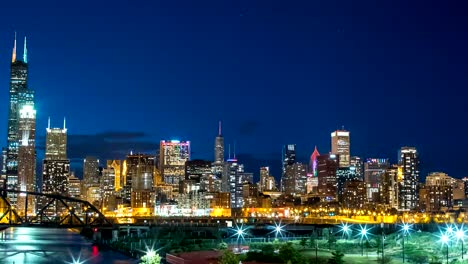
460 234
405 229
363 232
445 240
345 229
240 232
278 230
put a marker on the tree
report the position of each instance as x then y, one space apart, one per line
229 258
337 258
289 254
222 245
312 240
331 241
151 258
303 242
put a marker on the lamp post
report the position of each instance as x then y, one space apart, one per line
363 233
460 234
445 240
240 234
383 243
405 231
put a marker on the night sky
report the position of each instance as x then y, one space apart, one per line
129 73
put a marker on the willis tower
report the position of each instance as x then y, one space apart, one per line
19 157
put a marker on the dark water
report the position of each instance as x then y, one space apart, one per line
49 245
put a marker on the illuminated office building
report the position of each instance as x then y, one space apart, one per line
340 145
173 155
116 165
344 175
374 169
357 165
19 156
264 174
313 162
74 186
354 194
91 170
140 173
389 187
408 188
288 158
199 173
234 178
27 155
56 166
294 182
107 189
327 181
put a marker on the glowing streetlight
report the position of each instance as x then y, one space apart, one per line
345 228
444 239
363 232
405 228
240 232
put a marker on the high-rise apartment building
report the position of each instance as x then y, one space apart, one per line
374 169
74 186
439 191
288 158
340 145
389 187
408 189
20 153
173 155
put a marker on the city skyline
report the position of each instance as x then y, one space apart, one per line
373 112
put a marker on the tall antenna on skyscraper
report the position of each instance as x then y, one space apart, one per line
13 56
25 52
64 123
234 149
48 123
229 150
219 128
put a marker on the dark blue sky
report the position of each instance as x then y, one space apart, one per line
129 73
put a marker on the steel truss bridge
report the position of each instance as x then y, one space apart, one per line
53 210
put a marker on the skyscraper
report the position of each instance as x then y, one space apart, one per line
140 177
218 164
56 143
358 166
327 179
219 147
288 158
374 170
294 182
91 170
408 188
340 145
173 155
21 112
56 166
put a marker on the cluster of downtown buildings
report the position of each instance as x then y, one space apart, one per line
171 183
